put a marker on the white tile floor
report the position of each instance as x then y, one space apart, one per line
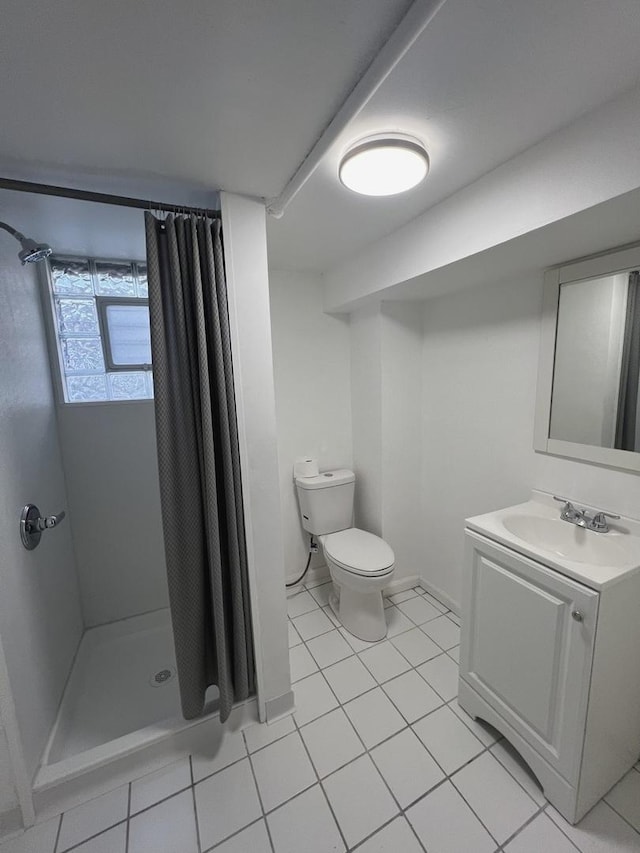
378 758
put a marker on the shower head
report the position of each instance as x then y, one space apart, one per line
31 251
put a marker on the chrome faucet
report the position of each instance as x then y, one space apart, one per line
581 518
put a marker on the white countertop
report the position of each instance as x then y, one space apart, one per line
623 537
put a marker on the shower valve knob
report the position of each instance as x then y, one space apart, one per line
32 525
50 521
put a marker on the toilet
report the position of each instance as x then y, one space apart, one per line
361 564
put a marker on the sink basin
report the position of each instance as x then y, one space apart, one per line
534 529
570 541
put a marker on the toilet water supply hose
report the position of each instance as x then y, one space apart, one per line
306 568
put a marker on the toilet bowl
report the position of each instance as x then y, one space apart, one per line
361 565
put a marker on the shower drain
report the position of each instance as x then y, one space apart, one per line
162 676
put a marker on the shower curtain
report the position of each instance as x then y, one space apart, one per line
198 460
629 371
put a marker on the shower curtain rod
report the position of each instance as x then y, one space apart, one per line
103 198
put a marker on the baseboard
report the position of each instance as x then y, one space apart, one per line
400 585
440 595
314 577
10 823
280 706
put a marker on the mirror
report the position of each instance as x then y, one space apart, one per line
594 397
588 389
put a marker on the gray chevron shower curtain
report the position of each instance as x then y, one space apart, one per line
199 461
626 424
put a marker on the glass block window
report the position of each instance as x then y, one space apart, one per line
101 319
115 279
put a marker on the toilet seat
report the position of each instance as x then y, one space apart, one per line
359 552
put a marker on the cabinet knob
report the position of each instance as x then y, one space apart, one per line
577 615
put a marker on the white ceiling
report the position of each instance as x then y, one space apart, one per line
228 94
485 81
232 94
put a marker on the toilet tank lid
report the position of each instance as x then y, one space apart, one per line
326 479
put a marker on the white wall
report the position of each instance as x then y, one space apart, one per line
16 801
592 485
366 408
40 618
480 361
111 469
311 363
8 796
249 317
402 434
386 382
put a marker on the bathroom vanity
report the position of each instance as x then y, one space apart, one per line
550 649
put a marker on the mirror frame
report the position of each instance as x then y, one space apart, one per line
595 266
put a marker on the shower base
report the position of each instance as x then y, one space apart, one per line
120 712
110 691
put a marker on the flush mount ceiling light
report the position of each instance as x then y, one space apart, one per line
384 165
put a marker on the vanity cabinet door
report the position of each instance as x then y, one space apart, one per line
527 646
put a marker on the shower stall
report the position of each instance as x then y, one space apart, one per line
85 625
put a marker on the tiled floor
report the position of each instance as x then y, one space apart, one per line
378 757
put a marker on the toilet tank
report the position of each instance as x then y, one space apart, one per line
326 501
